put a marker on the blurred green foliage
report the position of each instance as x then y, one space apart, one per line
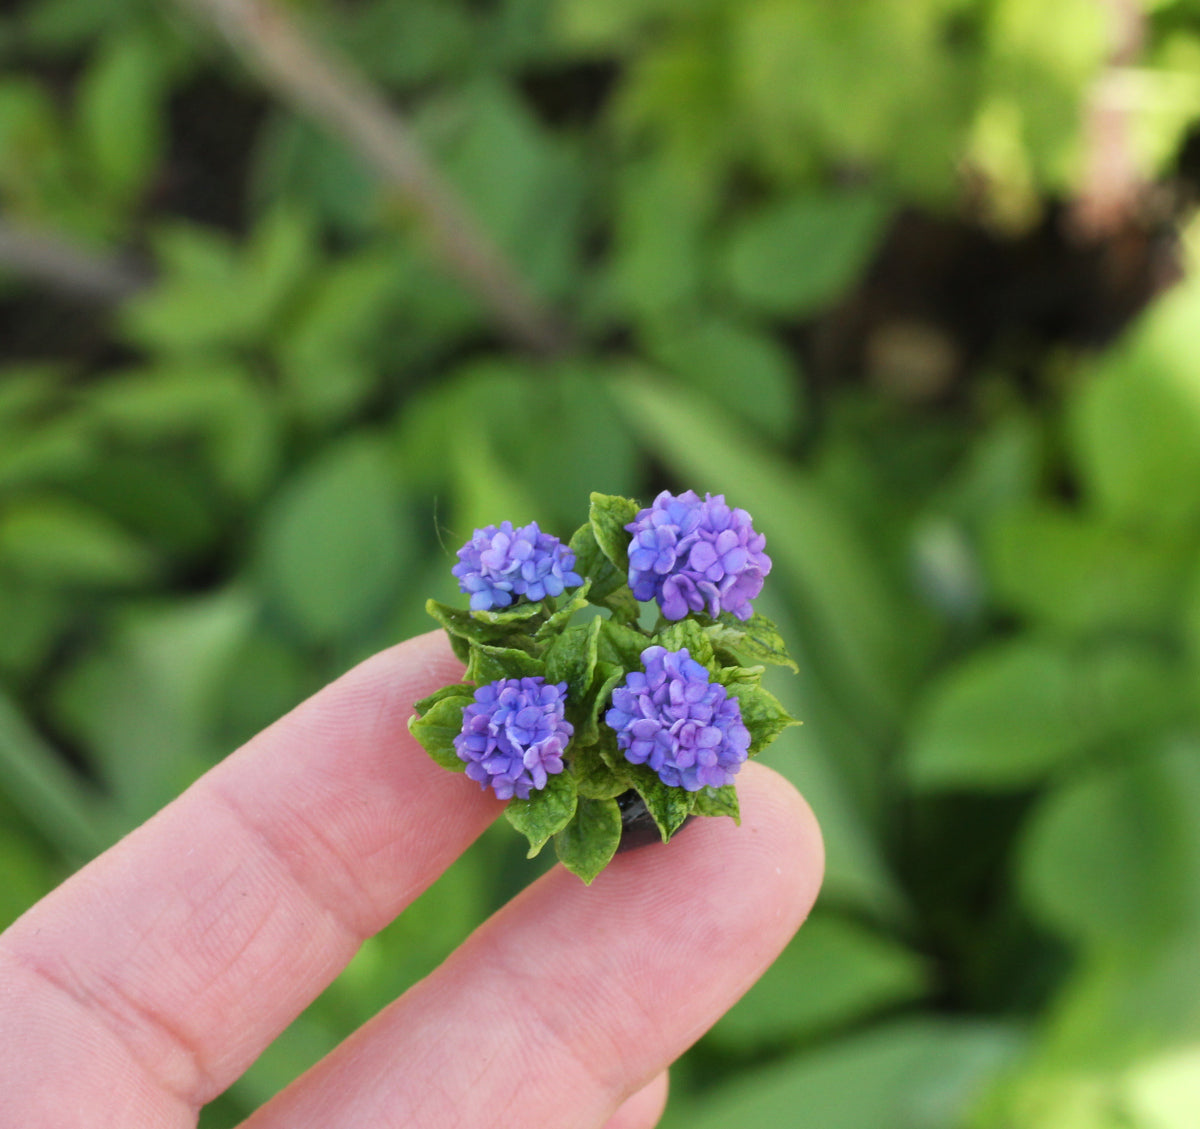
221 493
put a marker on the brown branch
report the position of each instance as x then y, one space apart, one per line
59 265
1111 185
320 86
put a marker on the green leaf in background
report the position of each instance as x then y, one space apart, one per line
546 812
56 539
834 972
121 115
1084 576
26 866
34 775
142 704
324 344
586 845
219 401
744 369
1116 1048
907 1074
212 293
523 183
333 547
437 728
1112 856
659 261
1016 711
1135 427
800 254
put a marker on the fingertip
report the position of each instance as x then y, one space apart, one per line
774 810
644 1109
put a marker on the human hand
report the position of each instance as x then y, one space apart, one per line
143 986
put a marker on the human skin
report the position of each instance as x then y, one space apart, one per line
150 980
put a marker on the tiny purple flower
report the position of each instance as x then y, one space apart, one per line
513 735
693 555
500 564
687 729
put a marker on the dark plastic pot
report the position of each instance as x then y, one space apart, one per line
638 828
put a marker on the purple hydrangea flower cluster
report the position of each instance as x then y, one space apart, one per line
501 563
513 735
687 729
692 554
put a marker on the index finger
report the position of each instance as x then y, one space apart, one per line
186 948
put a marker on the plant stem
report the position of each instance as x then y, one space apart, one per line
315 83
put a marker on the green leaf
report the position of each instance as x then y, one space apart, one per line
454 690
218 401
489 664
719 801
608 677
517 616
608 586
622 645
608 516
571 658
668 807
469 627
686 633
573 602
756 639
593 770
546 812
798 255
762 714
587 844
333 548
438 727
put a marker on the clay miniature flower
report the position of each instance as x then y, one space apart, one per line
501 564
694 554
672 717
513 735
